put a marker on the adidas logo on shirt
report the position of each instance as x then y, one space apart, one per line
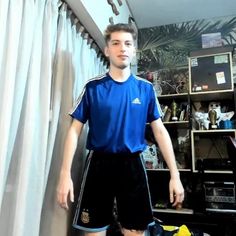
136 101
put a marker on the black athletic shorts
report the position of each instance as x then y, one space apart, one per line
113 176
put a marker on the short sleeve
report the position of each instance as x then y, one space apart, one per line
154 109
81 109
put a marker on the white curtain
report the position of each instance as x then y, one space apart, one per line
74 66
41 61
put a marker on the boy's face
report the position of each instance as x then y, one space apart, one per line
120 49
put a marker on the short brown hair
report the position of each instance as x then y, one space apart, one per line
119 27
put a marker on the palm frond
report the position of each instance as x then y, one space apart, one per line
169 45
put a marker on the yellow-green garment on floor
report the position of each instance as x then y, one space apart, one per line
181 231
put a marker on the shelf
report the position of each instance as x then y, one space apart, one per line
179 96
215 171
211 51
165 170
223 211
214 131
212 95
179 124
174 211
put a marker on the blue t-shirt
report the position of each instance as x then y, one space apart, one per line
117 113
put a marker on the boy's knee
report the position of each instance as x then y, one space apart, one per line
132 232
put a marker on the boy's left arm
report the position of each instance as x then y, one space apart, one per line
164 142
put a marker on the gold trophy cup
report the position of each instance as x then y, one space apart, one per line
174 111
212 115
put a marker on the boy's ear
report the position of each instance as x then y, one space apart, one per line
106 51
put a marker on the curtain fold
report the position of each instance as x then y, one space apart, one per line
8 73
4 6
50 28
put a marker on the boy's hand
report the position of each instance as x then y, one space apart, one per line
65 188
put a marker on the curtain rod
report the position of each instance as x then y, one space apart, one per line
81 29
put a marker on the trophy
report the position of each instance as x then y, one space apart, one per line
212 115
174 111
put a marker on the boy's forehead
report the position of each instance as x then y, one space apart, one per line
121 35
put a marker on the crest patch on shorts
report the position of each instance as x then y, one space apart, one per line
85 216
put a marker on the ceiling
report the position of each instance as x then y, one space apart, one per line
149 13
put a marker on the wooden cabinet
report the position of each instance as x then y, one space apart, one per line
198 147
211 90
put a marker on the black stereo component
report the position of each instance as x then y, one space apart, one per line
220 196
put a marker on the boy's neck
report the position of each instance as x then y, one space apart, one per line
119 74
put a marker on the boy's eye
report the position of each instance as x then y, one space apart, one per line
115 43
129 44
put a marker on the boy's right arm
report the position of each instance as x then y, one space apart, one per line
65 185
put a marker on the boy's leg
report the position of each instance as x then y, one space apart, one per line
128 232
133 197
101 233
95 203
